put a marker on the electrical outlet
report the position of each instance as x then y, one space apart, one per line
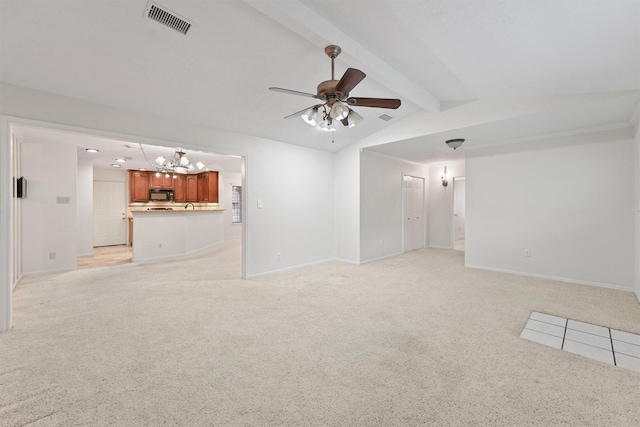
527 252
52 255
278 256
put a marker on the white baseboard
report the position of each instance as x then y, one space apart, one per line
558 279
380 258
293 267
440 247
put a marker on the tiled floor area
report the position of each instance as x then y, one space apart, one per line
104 256
596 342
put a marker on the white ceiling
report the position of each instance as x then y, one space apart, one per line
490 71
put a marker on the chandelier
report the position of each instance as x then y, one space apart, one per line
179 163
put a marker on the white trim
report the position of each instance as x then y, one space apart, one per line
557 279
293 267
440 247
6 221
384 257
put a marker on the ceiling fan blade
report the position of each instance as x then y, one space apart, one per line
349 80
299 113
375 102
293 92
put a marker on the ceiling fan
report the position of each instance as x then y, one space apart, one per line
336 102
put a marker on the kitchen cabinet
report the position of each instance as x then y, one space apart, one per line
180 190
192 188
161 181
208 187
138 186
186 188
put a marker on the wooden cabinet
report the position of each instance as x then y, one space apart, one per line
202 187
180 189
192 188
161 181
208 187
138 186
186 188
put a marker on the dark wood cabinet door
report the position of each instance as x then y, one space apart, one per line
155 180
208 187
168 181
180 188
161 181
138 186
192 188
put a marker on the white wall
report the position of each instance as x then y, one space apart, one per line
84 207
346 182
568 200
637 207
113 175
381 203
296 184
229 179
441 204
48 226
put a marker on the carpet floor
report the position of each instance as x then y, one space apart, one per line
416 339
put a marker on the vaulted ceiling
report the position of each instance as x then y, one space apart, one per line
490 71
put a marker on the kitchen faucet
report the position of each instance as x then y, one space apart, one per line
192 205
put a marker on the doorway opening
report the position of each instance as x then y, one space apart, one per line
102 223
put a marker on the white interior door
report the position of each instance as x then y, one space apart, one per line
407 210
413 207
109 213
418 207
459 190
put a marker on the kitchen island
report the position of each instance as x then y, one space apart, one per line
170 233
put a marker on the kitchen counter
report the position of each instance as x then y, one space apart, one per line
176 209
171 208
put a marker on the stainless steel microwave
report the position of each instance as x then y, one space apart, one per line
156 195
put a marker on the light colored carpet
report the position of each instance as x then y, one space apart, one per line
415 339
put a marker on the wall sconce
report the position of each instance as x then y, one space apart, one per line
444 177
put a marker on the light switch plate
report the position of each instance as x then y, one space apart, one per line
259 204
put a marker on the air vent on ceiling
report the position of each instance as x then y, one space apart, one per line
168 18
385 117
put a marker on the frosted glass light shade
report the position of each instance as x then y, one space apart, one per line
339 111
311 116
353 118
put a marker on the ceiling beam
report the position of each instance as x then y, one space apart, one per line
302 20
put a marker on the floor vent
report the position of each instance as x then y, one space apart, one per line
168 18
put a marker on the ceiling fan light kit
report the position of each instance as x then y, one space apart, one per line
335 96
